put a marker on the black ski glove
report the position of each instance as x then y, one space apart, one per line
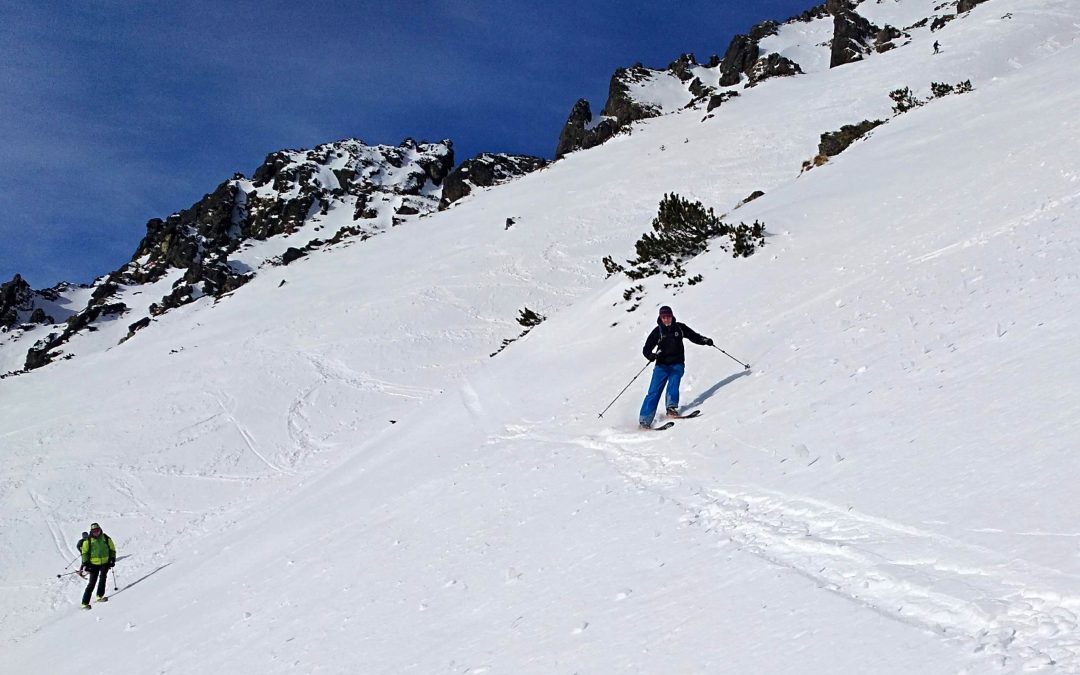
708 342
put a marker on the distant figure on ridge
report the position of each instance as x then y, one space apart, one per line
937 47
665 347
98 557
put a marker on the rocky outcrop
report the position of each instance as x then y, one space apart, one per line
288 189
287 192
740 57
15 296
886 39
743 58
621 105
486 170
24 307
853 35
42 352
772 65
579 133
832 143
967 5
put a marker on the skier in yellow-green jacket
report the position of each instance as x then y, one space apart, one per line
98 557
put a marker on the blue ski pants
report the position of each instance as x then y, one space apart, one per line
661 375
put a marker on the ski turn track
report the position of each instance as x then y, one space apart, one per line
1005 611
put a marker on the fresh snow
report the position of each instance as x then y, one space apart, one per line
332 476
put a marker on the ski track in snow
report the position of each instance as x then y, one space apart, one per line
996 608
50 522
249 440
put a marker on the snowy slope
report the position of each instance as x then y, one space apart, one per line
888 490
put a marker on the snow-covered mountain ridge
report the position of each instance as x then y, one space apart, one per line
890 489
292 202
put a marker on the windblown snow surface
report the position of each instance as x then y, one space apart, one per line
332 476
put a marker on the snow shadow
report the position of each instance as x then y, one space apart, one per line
708 393
146 576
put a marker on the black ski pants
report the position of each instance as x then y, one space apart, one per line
97 576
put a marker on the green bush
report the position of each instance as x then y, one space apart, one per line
904 100
682 230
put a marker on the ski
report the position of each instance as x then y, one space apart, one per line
687 416
663 427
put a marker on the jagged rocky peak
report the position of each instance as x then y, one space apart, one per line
289 188
636 93
195 252
485 170
23 307
15 296
580 133
853 35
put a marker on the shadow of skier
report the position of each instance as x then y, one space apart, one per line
146 576
708 393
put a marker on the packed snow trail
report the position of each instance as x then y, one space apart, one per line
1010 611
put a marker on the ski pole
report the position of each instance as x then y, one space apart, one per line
67 574
624 390
114 586
71 561
746 366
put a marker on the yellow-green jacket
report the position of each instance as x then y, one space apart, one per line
98 550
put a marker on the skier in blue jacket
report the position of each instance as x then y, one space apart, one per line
665 347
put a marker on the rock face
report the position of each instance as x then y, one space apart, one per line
853 35
579 133
379 184
15 296
486 170
22 307
740 57
967 5
284 192
772 65
834 142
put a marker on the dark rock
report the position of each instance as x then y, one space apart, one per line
852 33
817 12
103 293
834 142
620 104
699 89
15 295
883 41
717 100
486 170
292 254
967 5
753 195
38 355
578 135
407 210
138 325
682 67
762 30
941 21
772 65
740 57
40 317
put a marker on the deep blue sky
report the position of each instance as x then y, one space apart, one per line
113 112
